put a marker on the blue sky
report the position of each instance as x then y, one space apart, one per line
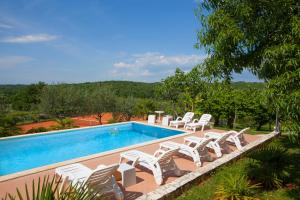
96 40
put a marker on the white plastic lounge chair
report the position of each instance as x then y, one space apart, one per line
217 145
159 163
151 119
182 121
202 122
196 152
236 137
100 180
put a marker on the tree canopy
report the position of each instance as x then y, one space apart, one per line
261 36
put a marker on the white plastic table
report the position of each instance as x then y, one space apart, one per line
159 112
128 174
166 120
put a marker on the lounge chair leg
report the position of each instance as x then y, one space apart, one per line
117 190
157 175
217 150
237 143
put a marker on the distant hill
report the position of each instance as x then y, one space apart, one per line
121 88
126 88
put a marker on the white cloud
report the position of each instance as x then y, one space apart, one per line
153 65
4 25
30 38
12 61
157 59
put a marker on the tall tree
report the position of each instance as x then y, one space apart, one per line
262 36
100 101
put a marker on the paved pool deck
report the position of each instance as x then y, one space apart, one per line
145 180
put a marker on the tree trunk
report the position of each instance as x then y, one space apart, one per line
230 120
100 118
217 120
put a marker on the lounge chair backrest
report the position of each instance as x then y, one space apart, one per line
201 145
188 116
205 118
101 176
240 134
222 139
166 156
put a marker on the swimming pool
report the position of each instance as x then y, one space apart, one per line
28 152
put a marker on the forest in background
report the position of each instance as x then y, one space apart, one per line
178 93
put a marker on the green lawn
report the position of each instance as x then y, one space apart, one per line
291 190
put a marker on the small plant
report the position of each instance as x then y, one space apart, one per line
37 130
48 189
112 121
235 187
65 123
269 166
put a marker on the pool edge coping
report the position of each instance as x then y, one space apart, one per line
36 170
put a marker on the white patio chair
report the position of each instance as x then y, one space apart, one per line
202 122
236 138
195 151
182 120
100 180
159 163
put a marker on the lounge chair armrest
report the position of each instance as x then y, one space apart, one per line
233 132
195 120
158 152
178 118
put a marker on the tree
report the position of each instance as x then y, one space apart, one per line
28 98
144 107
126 106
261 36
100 101
63 100
4 104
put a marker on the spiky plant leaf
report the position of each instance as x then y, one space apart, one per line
235 187
269 166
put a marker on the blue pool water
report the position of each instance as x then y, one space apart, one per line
23 153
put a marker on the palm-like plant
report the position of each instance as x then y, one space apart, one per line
65 123
235 187
47 189
269 166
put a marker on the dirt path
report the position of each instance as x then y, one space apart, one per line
81 121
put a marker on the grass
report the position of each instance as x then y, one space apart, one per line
291 190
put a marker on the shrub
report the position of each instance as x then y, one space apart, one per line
235 187
37 130
65 123
48 189
112 121
269 166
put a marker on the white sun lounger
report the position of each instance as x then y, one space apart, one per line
195 151
182 121
159 163
100 180
236 137
202 122
217 145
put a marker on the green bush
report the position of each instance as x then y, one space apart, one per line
235 187
269 166
37 130
48 189
112 121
